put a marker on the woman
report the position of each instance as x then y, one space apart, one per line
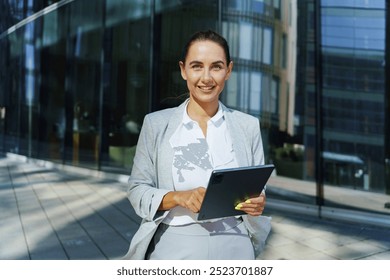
176 152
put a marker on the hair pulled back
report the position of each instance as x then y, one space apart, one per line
207 35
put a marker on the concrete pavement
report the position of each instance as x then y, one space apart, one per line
49 213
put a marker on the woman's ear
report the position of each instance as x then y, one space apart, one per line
229 70
182 70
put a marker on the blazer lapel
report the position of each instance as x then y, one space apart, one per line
165 151
237 134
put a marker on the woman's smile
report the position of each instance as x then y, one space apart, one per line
206 88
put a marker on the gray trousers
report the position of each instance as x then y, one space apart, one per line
226 239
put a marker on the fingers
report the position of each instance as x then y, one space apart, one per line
192 199
196 198
253 206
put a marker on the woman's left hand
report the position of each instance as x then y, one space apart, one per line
253 206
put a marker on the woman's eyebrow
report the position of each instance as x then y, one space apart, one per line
199 62
195 62
218 62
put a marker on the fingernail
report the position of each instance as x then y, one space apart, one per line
238 207
248 201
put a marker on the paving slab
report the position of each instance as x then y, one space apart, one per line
49 213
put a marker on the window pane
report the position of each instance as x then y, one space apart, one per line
267 46
127 93
245 41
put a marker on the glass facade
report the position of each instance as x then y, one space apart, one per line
353 94
77 77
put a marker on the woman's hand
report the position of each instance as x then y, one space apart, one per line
253 206
191 199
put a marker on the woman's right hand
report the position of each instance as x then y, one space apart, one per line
191 199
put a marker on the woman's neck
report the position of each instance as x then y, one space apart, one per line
201 112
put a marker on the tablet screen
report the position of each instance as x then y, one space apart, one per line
228 187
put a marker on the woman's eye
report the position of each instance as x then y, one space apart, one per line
196 67
217 67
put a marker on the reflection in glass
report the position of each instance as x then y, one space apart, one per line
77 80
126 94
353 64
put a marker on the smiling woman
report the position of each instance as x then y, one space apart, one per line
205 69
178 149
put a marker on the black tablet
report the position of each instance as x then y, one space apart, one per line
228 187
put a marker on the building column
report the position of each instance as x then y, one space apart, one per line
387 100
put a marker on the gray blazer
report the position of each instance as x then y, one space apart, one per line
151 176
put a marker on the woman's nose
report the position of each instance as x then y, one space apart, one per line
206 75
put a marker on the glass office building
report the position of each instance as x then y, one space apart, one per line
354 93
77 78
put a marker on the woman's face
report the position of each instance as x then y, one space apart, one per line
205 71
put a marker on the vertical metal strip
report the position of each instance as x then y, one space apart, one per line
219 17
387 100
153 71
319 123
102 87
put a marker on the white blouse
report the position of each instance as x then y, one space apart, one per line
196 156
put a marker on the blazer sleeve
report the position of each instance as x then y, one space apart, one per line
257 144
143 192
258 227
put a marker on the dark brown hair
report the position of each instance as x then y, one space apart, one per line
207 35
